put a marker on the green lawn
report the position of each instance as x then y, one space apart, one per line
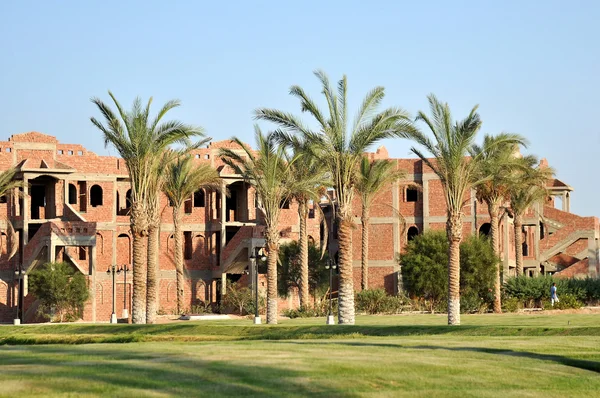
508 355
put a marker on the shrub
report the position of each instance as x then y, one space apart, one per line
566 301
511 304
309 312
471 303
530 291
239 300
61 289
425 269
202 307
587 290
377 301
536 291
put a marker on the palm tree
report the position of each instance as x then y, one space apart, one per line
140 141
339 146
269 172
154 215
9 186
310 182
498 164
182 179
451 145
373 177
527 188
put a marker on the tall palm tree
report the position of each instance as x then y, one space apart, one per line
310 182
498 164
182 179
451 145
527 188
339 146
154 215
373 177
140 141
268 170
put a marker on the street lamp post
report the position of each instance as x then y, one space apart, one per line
256 253
19 275
114 270
124 269
331 265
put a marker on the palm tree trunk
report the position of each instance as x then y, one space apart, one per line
365 248
493 211
151 295
272 313
518 223
346 289
454 232
303 243
139 233
138 300
178 256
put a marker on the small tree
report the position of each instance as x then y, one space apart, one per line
425 274
60 289
424 270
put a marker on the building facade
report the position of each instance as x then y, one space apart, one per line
74 207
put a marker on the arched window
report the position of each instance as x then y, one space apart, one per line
484 230
412 232
123 249
198 245
72 194
95 196
99 242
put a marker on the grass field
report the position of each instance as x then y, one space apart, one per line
508 355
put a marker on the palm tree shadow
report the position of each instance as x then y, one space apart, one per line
593 366
141 373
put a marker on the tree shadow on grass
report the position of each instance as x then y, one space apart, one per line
114 372
593 366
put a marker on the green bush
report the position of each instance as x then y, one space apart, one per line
587 290
202 307
471 303
239 300
534 292
566 301
310 312
377 301
511 304
425 270
61 289
530 291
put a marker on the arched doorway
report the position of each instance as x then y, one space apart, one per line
412 232
484 230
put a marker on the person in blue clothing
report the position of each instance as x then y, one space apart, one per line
553 295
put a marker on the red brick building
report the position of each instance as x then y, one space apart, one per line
75 204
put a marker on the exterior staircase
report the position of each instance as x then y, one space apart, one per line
572 229
234 257
57 233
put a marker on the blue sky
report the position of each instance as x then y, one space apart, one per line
532 66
